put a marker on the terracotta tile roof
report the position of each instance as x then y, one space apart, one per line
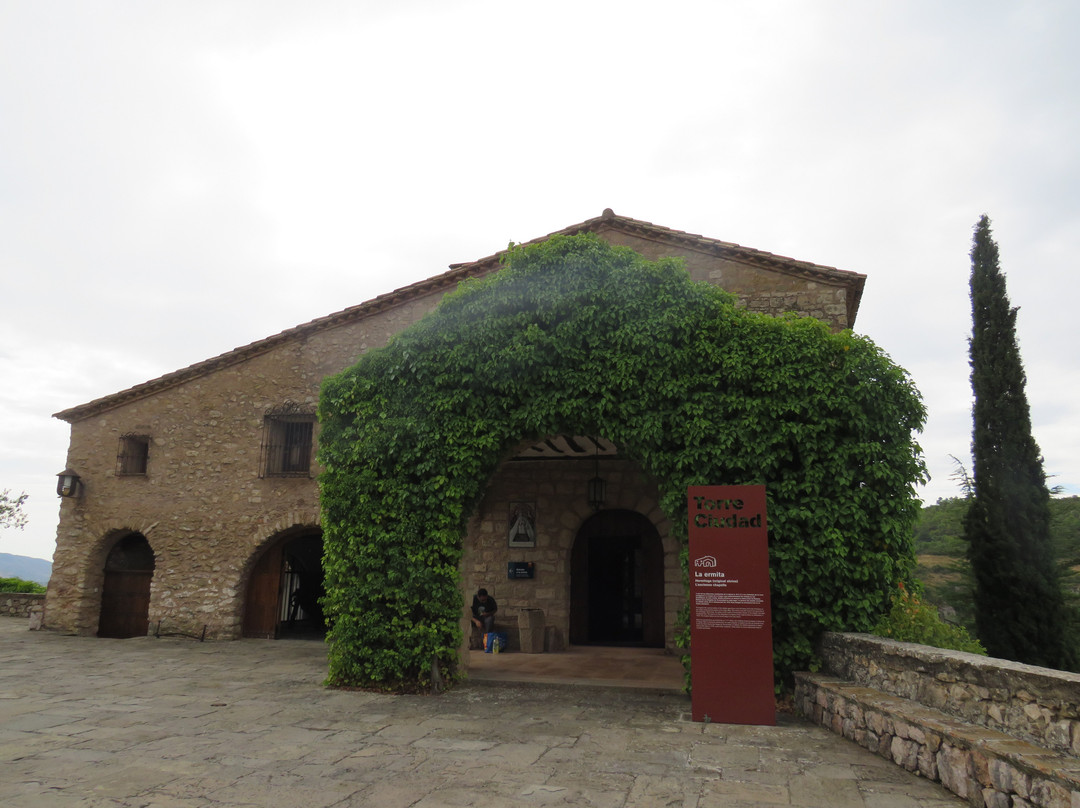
458 272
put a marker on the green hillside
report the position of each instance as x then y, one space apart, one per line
943 568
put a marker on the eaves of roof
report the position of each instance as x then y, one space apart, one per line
459 272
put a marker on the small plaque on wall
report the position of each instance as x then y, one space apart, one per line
522 522
520 569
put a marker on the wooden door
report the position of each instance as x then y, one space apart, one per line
264 595
125 604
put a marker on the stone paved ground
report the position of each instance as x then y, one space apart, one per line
162 723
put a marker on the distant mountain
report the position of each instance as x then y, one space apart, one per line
29 569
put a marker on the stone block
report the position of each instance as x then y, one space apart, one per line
855 713
993 713
954 769
875 721
836 723
927 763
935 696
933 741
871 741
1058 734
916 734
904 753
980 768
1047 794
884 746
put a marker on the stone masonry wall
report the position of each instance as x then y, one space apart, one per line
202 504
19 604
987 768
772 293
1036 704
997 733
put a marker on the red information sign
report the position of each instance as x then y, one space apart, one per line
730 614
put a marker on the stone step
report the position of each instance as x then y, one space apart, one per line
984 766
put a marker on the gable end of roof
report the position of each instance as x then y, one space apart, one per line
446 281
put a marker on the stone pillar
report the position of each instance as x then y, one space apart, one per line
531 629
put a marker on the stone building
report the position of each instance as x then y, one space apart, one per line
197 506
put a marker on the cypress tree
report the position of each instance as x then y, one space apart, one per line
1018 601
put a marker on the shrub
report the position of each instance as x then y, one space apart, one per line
20 585
911 620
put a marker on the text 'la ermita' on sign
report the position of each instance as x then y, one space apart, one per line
730 615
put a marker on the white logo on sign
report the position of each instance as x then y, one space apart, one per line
705 561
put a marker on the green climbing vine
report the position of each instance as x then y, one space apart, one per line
576 336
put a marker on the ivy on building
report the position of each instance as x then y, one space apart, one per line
575 336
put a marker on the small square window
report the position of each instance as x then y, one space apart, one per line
287 444
133 455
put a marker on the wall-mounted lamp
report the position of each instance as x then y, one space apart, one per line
68 484
597 485
597 491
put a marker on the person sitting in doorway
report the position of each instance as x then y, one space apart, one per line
483 611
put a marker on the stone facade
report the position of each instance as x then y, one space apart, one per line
203 504
209 510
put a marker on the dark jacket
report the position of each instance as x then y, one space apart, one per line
481 609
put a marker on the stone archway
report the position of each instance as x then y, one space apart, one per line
125 592
284 587
617 581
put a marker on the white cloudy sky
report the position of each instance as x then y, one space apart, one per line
179 179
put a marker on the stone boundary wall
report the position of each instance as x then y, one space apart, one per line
1039 705
987 768
996 733
20 604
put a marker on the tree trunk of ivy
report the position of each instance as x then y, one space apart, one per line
1018 600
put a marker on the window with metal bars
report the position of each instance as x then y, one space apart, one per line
287 440
133 455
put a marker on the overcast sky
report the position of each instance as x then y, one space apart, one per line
180 179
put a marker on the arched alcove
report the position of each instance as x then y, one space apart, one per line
125 591
617 581
284 587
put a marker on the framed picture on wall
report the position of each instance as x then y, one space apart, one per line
522 522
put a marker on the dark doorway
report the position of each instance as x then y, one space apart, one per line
284 589
125 593
617 582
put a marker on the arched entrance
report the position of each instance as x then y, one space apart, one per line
125 593
617 582
284 588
